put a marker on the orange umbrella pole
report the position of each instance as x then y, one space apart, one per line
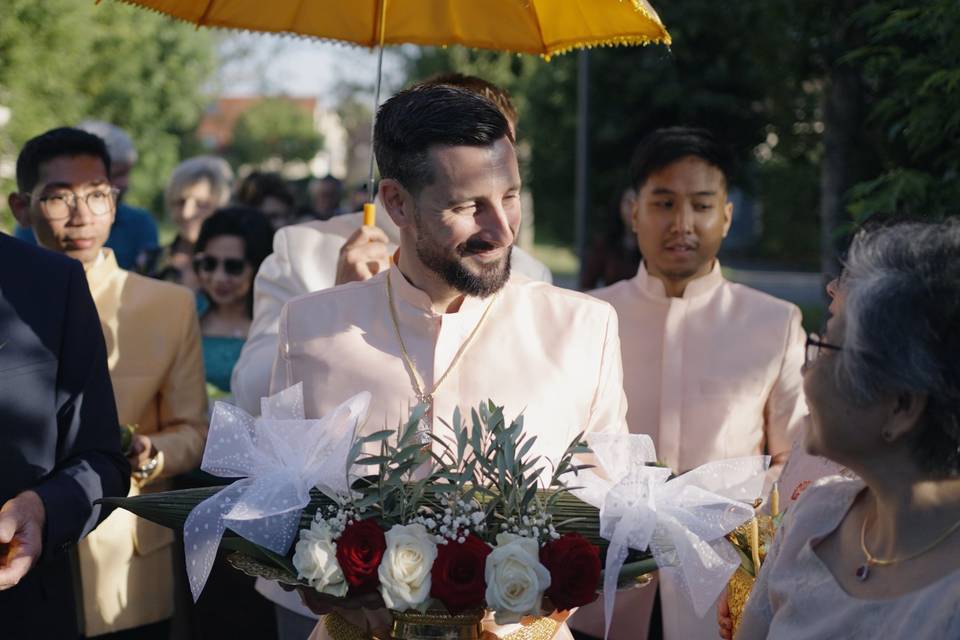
369 210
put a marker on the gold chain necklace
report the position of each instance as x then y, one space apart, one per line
419 386
863 571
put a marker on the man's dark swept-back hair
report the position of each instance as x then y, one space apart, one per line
423 116
663 147
493 93
65 141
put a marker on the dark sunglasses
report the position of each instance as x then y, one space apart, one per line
209 264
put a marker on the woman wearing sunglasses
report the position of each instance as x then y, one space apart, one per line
229 249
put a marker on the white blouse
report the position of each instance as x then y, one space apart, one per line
797 597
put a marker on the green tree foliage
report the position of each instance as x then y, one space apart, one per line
911 62
274 128
63 61
750 86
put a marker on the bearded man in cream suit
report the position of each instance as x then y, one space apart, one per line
711 368
318 255
156 368
315 256
447 323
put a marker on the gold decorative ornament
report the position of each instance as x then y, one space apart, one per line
434 625
738 592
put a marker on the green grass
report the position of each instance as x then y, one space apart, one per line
561 260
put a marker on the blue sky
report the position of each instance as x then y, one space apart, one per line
270 64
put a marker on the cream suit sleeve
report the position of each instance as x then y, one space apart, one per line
279 372
182 425
609 410
276 282
786 409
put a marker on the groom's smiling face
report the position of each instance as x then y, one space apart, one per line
467 218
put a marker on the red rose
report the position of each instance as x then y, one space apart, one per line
457 577
574 566
359 551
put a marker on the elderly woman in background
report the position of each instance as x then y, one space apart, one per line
197 187
231 245
877 557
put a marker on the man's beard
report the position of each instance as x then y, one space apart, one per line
488 280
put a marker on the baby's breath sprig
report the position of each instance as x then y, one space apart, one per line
337 518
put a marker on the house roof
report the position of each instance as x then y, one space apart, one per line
216 125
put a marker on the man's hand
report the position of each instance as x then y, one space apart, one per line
141 450
723 617
21 537
363 256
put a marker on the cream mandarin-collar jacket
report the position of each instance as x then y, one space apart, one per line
156 368
304 260
550 353
713 374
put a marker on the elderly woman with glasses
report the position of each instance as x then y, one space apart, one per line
879 556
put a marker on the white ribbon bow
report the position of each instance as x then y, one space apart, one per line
682 520
280 457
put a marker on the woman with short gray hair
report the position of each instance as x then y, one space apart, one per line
197 187
877 556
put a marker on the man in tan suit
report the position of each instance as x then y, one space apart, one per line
156 367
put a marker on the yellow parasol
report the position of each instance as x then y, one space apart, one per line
542 27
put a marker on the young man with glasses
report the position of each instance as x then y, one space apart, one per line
134 230
153 353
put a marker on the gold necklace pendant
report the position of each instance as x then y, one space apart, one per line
425 426
863 571
424 429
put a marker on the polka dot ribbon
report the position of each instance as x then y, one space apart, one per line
277 459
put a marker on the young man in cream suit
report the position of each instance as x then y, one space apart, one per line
711 368
156 367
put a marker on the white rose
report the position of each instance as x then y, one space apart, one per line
515 578
315 559
406 565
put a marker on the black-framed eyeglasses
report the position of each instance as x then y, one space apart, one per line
209 264
63 202
815 347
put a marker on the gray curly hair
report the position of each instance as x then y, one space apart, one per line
214 169
902 308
